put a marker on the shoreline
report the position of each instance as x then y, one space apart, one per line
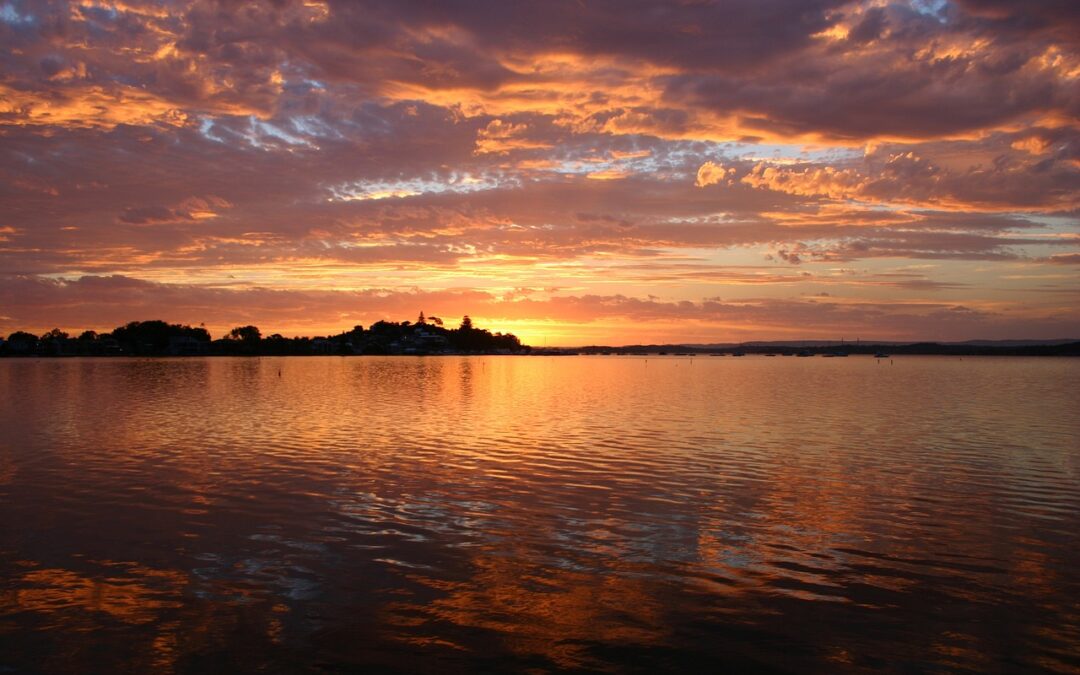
1073 352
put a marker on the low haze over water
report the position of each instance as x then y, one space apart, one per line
548 513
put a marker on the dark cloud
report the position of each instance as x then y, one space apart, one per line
1056 20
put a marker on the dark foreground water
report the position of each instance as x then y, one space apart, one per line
515 513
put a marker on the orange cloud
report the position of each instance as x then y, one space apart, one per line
825 181
500 137
711 173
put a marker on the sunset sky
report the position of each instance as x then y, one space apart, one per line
573 172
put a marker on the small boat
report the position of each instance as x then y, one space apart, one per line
881 355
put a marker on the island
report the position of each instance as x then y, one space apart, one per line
427 336
160 338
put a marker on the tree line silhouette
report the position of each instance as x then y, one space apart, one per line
160 338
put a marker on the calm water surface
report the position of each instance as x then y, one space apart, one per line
515 513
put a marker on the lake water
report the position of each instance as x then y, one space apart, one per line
604 513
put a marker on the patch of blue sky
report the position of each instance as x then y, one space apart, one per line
1051 223
677 160
9 14
455 182
656 166
773 152
206 128
688 156
258 133
267 129
310 125
933 8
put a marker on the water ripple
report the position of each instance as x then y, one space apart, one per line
589 513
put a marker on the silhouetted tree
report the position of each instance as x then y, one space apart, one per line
158 337
21 343
152 337
245 333
53 343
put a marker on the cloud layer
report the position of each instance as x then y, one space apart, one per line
575 169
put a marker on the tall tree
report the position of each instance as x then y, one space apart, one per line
245 333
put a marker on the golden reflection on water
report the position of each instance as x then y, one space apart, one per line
137 597
552 612
543 513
